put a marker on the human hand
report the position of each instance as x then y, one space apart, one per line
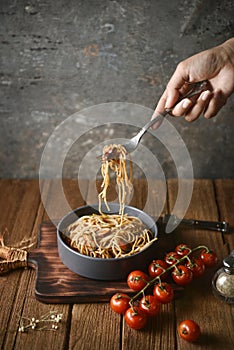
215 65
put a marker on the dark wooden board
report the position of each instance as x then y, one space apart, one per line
55 283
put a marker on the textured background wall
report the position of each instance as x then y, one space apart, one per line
58 57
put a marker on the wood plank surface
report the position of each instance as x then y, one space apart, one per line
198 302
225 198
23 302
95 326
21 212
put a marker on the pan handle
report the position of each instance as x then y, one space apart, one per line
221 226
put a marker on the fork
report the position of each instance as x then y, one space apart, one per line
132 144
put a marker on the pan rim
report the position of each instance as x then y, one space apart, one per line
113 207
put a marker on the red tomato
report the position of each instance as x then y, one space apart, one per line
182 249
209 258
156 268
196 266
119 303
189 330
171 258
135 317
137 280
182 275
150 305
163 292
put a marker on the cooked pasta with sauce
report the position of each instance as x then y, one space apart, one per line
111 235
118 164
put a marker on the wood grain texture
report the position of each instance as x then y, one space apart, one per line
55 283
22 201
94 325
198 302
14 197
225 199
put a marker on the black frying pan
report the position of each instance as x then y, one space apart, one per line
98 268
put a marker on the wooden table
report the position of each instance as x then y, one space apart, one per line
94 325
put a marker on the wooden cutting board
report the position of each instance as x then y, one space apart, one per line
55 283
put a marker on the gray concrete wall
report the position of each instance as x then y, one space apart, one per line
58 57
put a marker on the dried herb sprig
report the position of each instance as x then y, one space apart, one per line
12 258
48 321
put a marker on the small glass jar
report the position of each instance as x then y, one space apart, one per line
223 280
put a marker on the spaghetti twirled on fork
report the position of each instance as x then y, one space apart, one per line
111 235
118 164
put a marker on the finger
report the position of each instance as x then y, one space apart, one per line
159 109
176 85
157 124
216 103
200 105
172 98
160 105
167 102
182 107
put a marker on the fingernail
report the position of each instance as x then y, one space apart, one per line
186 103
204 96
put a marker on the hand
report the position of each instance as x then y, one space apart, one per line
215 65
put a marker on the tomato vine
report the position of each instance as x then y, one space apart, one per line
183 264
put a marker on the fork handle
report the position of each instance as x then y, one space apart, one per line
143 130
155 120
196 88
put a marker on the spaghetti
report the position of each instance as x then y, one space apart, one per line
116 163
111 235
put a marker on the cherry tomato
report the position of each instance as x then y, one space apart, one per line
189 330
119 303
197 267
156 268
150 305
137 280
209 258
163 292
182 275
135 317
182 249
171 258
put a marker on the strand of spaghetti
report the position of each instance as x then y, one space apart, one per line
124 234
119 167
134 251
107 236
121 179
104 185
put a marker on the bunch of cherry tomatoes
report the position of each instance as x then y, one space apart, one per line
183 264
